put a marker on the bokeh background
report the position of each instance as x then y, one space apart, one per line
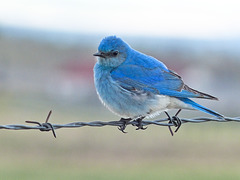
46 63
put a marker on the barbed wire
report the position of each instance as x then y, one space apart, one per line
46 126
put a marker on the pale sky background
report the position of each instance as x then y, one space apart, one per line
172 18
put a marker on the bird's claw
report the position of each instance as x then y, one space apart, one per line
139 124
124 124
141 127
122 128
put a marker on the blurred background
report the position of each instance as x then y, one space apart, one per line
46 63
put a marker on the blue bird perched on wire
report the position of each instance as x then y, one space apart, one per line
134 85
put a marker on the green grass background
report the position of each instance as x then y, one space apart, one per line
197 151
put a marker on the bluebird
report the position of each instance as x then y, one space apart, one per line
135 86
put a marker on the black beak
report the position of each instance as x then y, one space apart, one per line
100 54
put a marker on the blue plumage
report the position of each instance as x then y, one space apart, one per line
134 85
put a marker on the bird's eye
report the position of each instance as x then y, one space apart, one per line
115 53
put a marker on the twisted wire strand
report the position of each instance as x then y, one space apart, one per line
46 126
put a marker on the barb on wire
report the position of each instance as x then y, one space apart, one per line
169 122
46 126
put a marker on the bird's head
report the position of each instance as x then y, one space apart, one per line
112 51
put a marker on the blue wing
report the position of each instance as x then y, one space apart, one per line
150 75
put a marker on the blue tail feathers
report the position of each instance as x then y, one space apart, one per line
200 107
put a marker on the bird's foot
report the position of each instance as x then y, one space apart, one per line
139 124
124 124
176 121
